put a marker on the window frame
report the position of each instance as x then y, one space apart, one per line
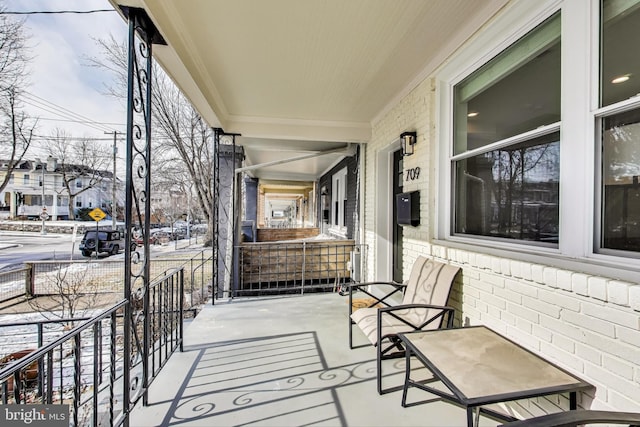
515 23
505 143
338 198
579 164
599 115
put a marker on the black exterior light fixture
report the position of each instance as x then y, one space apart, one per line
408 140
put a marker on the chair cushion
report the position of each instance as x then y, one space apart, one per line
366 319
429 283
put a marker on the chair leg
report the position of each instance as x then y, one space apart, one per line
379 367
351 322
385 352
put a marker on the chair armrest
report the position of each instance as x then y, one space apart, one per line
406 306
397 287
578 417
443 310
357 285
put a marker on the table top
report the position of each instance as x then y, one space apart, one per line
479 365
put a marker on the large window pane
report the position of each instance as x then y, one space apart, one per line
515 92
620 63
620 188
511 192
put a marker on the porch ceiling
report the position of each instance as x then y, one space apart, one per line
307 72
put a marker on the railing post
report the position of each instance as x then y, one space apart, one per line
29 280
304 265
77 378
181 320
137 191
97 369
40 361
202 275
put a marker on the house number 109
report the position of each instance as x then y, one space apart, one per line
413 174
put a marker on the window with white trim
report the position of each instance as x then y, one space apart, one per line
506 142
595 144
339 198
618 124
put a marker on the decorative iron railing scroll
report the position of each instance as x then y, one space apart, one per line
137 205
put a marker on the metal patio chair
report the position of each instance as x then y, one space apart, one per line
423 307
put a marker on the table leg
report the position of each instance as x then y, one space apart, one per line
573 400
469 416
407 373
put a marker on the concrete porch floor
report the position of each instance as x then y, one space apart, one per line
282 361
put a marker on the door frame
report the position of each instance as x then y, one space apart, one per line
384 212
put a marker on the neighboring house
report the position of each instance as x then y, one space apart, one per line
338 198
34 187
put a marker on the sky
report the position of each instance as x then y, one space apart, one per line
60 77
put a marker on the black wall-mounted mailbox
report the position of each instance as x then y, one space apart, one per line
408 208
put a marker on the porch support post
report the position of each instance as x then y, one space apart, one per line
137 204
227 157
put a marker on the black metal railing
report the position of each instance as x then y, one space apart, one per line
201 277
83 367
79 368
164 321
24 337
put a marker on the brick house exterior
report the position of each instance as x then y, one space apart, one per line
580 314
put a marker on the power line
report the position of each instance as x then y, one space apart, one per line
54 12
78 121
52 111
67 138
59 110
65 113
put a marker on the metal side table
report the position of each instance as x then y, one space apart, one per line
481 367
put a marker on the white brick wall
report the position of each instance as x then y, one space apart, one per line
592 331
587 324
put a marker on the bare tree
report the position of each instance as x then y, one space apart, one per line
70 294
180 132
16 128
16 133
72 290
183 133
14 51
83 164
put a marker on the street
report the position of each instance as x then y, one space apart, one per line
19 247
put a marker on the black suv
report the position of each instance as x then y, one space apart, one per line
109 241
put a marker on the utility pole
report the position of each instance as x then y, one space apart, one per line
113 180
43 216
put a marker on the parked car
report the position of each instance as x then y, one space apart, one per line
159 237
108 241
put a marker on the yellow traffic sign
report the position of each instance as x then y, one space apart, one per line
97 214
